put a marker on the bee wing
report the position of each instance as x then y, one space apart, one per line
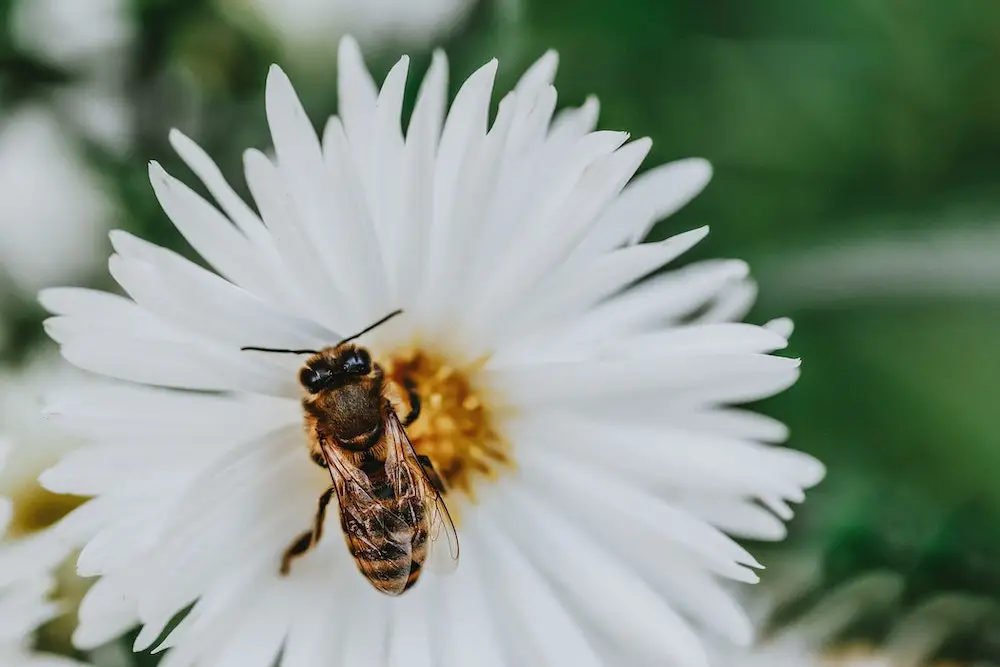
378 538
442 555
442 538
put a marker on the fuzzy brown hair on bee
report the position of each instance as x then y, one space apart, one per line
391 510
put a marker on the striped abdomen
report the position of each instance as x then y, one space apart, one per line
388 540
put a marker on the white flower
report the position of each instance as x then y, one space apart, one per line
34 444
956 262
304 27
54 212
588 419
815 640
72 33
90 40
25 586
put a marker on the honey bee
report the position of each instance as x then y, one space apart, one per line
391 511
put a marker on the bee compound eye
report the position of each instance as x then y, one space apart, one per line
358 363
312 379
365 362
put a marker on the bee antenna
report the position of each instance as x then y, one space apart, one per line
278 350
372 326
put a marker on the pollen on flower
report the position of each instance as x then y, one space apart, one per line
457 427
35 508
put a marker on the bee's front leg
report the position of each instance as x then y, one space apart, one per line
308 539
404 401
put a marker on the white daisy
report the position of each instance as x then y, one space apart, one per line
959 261
581 424
34 445
303 28
44 239
25 602
89 40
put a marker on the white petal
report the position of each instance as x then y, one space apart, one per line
582 284
204 530
367 634
534 187
617 603
736 516
477 188
301 258
257 640
626 514
464 128
536 609
305 177
106 612
208 172
571 124
409 639
670 297
651 197
101 311
314 635
662 457
388 206
206 303
356 93
550 241
180 365
420 156
701 379
355 230
539 75
732 303
466 631
147 416
205 228
783 326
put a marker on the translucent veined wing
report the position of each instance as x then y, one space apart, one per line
442 538
378 538
442 547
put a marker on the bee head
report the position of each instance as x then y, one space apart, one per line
335 369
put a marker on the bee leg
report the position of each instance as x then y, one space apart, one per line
310 538
411 390
432 475
404 401
318 458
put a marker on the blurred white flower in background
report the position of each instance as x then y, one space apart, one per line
309 30
582 423
54 210
961 261
89 40
34 443
32 592
24 606
816 638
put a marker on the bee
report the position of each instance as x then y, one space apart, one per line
391 511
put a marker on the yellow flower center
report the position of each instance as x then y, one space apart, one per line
35 508
457 426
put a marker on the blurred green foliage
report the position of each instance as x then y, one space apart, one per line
819 117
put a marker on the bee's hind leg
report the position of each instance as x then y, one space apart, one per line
310 538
